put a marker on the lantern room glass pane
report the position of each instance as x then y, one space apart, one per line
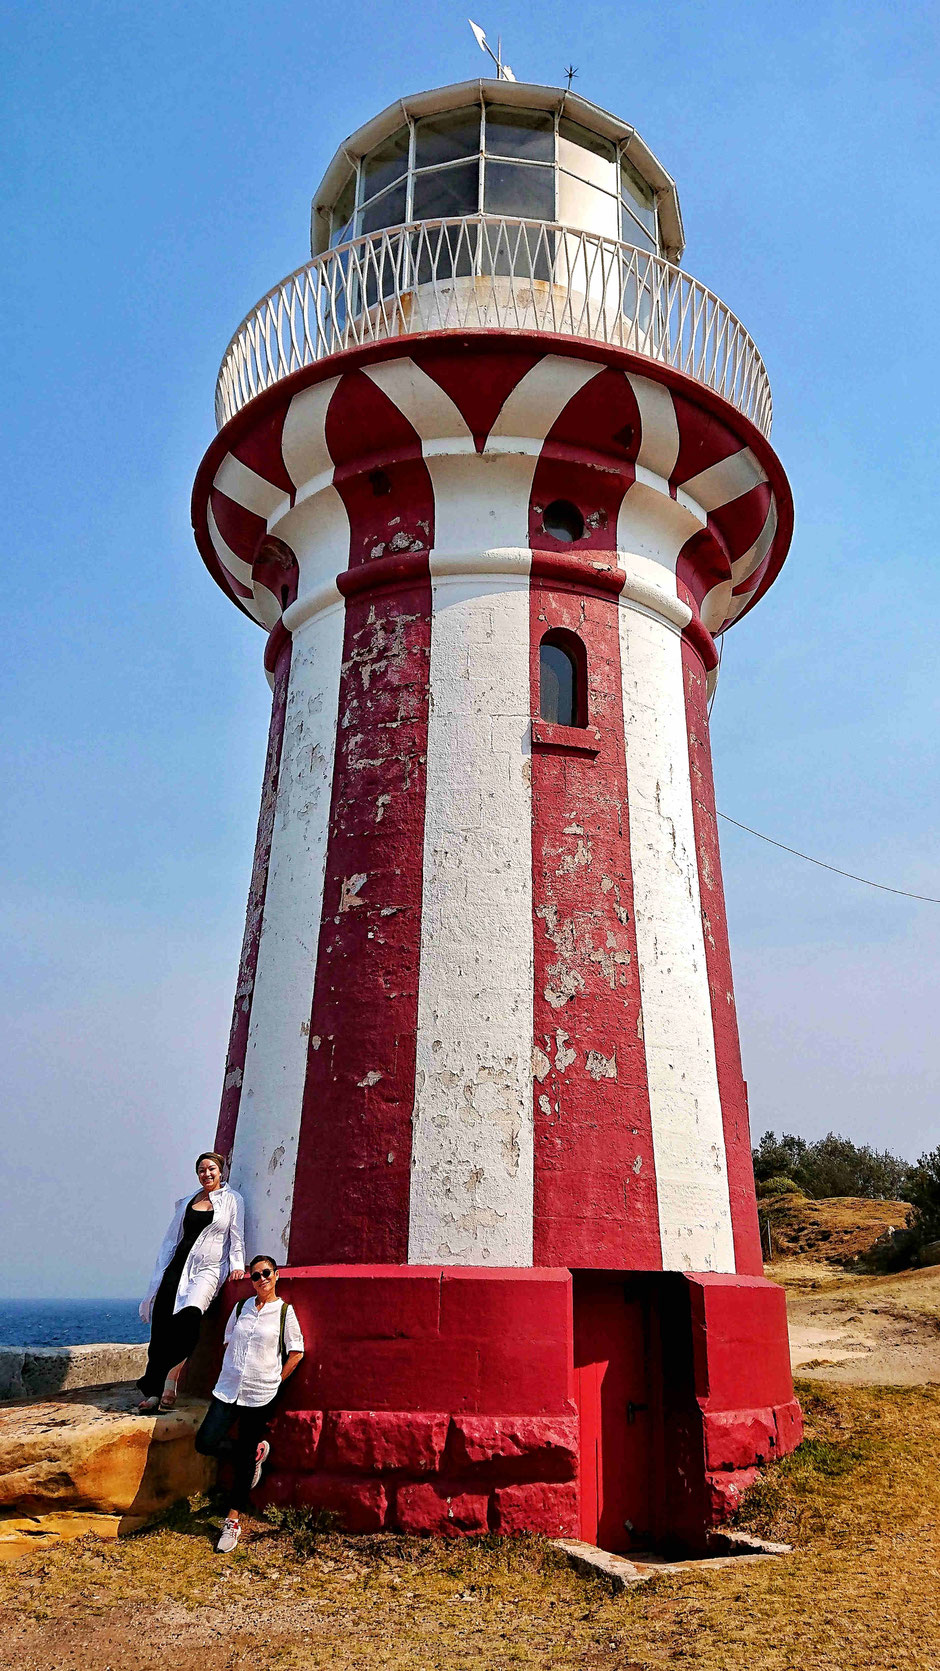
512 189
520 133
445 138
387 210
558 685
446 191
386 163
638 196
631 232
341 224
587 140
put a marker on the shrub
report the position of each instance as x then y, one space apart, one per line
779 1186
904 1247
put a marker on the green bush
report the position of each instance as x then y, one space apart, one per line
779 1186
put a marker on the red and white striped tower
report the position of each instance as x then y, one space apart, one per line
493 473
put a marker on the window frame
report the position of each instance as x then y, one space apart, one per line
574 647
644 239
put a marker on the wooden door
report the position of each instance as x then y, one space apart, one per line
611 1388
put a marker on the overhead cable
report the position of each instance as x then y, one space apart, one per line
927 899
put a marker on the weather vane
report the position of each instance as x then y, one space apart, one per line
503 72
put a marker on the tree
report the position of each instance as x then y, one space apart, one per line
833 1165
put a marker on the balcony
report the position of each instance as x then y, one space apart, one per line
484 272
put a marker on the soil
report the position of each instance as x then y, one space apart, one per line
833 1230
862 1330
860 1502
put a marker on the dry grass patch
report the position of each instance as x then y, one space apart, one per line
861 1499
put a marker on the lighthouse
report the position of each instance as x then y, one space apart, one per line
493 475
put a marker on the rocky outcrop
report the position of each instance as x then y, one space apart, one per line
84 1463
41 1371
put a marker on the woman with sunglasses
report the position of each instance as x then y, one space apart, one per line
205 1242
263 1346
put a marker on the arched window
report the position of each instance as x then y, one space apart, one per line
562 679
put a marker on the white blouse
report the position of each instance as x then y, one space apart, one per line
251 1368
218 1249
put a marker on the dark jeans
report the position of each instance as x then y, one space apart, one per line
214 1439
172 1340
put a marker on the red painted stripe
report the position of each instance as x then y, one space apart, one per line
588 458
351 1193
595 1177
731 1088
244 991
260 446
241 530
478 380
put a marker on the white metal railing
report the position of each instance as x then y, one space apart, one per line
484 272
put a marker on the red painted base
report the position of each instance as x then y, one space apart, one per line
453 1401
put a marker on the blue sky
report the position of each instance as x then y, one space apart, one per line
159 166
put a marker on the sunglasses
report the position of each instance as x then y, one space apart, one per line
260 1276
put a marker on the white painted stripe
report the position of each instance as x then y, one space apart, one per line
472 1142
659 445
653 524
237 567
725 481
303 438
276 1058
253 492
537 401
685 1108
745 566
429 409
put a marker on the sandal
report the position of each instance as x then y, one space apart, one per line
167 1401
147 1406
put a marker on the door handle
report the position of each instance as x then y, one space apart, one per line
632 1411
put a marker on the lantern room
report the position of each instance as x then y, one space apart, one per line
503 149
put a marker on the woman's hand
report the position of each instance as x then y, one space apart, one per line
237 1276
144 1310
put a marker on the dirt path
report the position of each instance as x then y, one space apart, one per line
870 1331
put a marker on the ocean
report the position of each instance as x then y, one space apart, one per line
70 1322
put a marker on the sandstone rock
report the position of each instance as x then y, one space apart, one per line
40 1371
68 1461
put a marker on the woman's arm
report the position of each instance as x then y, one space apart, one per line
293 1359
236 1243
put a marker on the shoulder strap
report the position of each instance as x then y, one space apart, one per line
238 1308
280 1338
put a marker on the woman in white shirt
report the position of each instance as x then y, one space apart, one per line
263 1346
205 1241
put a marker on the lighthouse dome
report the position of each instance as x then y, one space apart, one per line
499 148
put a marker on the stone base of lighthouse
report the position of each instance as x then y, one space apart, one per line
623 1408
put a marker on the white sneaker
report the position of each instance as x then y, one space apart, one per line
264 1451
231 1532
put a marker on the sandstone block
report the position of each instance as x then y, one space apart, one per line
549 1444
725 1491
375 1441
739 1438
441 1510
295 1438
789 1419
359 1505
551 1510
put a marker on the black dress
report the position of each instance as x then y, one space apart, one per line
173 1337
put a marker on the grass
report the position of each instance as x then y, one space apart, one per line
860 1499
